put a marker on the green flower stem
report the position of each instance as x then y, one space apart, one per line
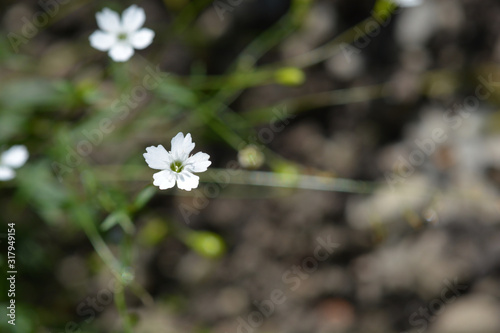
121 305
272 36
238 80
284 27
85 220
243 65
98 243
215 121
210 112
329 49
313 101
295 179
121 75
186 17
65 11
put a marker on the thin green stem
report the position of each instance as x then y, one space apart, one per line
100 247
121 305
295 180
113 264
186 17
298 181
313 101
360 30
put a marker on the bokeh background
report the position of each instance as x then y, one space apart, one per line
327 122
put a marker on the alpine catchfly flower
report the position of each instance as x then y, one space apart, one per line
177 165
11 159
121 37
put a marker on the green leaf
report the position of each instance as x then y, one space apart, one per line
143 198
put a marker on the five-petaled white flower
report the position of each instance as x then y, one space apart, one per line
12 159
177 165
120 37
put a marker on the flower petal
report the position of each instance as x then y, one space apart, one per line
199 162
15 157
6 173
102 41
187 181
164 179
108 20
142 38
158 158
133 18
181 146
121 52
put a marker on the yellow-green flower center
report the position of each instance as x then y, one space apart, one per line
122 36
176 166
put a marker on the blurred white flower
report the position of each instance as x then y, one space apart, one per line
12 159
121 37
408 3
177 165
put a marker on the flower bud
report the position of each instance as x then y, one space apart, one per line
208 244
251 157
289 76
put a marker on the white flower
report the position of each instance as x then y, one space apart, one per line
121 37
408 3
12 159
177 165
